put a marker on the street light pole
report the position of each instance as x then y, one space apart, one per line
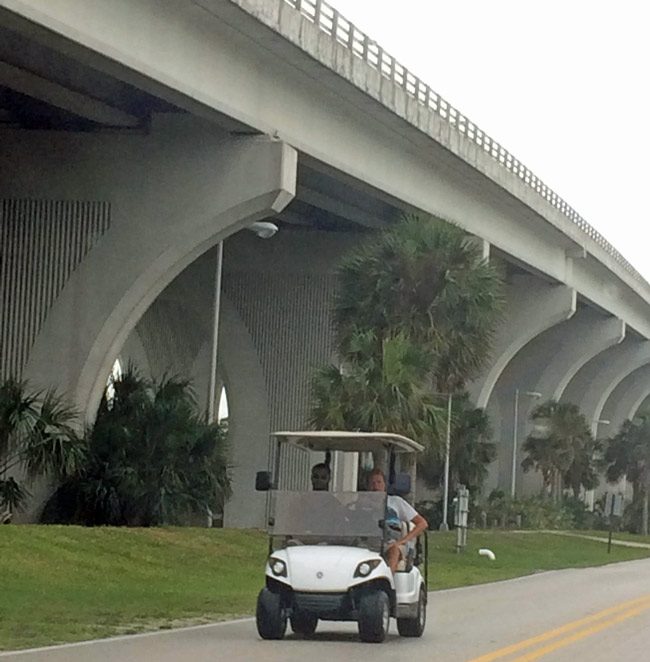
444 526
515 423
264 230
216 311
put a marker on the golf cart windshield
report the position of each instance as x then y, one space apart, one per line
328 515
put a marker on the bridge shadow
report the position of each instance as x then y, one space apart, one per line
334 636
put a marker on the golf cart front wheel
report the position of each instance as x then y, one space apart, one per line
374 616
270 616
414 627
302 622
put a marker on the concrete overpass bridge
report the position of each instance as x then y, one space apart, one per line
137 134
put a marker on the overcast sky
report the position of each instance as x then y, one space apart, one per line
562 85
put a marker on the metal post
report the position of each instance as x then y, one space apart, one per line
514 445
212 387
444 526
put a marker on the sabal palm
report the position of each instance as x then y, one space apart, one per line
37 437
564 452
471 449
382 386
426 278
151 458
628 454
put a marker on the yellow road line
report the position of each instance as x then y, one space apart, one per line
642 603
581 634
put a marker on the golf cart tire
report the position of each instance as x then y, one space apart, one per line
414 627
374 616
304 623
270 616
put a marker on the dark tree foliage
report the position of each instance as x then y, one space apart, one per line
470 453
415 315
151 459
37 437
563 450
628 454
428 279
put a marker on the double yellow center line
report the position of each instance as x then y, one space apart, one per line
569 633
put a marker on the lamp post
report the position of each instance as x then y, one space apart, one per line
264 230
444 525
589 494
515 423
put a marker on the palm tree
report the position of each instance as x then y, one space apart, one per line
37 437
381 387
414 315
470 453
426 278
564 453
628 454
151 460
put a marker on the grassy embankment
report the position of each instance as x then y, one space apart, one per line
61 584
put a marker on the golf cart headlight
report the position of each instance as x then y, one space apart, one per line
366 567
278 567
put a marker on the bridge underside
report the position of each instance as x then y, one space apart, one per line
115 193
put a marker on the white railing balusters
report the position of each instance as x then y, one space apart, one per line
361 46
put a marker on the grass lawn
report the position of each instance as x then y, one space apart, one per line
63 584
619 535
66 583
518 553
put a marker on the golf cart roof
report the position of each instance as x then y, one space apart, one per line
349 441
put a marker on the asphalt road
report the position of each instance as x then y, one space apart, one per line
591 614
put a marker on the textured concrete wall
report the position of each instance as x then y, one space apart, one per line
173 194
41 243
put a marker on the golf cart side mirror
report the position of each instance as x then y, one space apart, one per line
263 481
401 486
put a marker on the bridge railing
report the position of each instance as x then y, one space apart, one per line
330 21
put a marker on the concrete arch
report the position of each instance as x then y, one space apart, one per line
587 341
134 351
593 384
178 329
625 400
205 191
533 306
541 366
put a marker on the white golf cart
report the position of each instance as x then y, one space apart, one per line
325 547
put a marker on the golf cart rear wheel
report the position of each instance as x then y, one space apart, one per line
374 616
414 627
302 622
270 615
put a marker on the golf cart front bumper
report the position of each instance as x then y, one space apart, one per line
329 606
335 606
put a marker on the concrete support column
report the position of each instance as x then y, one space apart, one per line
592 385
532 307
625 400
541 367
174 195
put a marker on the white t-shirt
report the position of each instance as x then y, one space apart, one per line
397 511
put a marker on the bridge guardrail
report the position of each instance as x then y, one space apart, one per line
339 28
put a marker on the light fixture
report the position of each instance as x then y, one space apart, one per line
263 229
